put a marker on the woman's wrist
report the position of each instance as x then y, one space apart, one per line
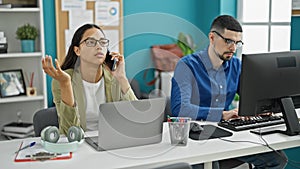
125 86
67 93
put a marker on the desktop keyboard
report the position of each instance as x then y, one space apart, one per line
245 123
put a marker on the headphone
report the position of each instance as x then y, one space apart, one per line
50 136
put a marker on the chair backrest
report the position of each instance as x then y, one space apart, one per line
168 108
43 118
136 88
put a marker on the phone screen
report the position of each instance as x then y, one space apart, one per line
112 64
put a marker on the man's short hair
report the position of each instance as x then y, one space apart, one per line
223 22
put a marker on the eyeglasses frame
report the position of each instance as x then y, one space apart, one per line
99 41
229 41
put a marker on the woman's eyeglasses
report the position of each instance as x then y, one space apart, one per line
91 42
230 42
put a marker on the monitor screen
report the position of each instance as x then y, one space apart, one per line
270 82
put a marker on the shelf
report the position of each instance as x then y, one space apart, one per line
21 99
20 55
19 9
10 20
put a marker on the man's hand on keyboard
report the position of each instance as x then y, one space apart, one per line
230 114
247 118
252 122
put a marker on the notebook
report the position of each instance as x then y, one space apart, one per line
128 124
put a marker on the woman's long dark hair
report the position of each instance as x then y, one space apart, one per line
71 57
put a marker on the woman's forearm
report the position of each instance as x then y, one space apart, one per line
67 95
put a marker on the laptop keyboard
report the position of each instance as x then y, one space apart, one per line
254 122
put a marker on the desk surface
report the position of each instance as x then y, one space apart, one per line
154 155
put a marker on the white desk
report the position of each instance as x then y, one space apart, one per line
153 155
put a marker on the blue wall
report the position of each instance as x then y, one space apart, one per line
152 22
50 40
295 33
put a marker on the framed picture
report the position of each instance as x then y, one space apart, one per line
12 83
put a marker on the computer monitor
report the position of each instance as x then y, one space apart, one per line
270 82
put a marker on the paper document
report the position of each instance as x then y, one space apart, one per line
37 153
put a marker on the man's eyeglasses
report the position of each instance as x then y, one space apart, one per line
230 42
91 42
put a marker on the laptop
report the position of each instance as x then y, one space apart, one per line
128 124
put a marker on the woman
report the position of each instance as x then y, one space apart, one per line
84 81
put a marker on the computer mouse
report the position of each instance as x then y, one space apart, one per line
195 127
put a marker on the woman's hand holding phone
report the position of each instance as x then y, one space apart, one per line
118 70
116 64
111 61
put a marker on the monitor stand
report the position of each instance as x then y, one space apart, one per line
290 119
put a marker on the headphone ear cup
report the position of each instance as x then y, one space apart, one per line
50 134
75 133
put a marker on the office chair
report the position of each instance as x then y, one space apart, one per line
136 88
175 166
231 163
168 108
43 118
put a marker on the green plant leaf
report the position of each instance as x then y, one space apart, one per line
27 31
186 43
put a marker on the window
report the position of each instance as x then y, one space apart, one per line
266 27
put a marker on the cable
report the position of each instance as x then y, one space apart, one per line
289 162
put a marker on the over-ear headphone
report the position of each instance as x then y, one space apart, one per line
50 136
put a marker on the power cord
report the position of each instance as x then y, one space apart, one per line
290 162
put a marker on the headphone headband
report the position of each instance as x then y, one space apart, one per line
50 136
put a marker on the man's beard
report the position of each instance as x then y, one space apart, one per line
222 57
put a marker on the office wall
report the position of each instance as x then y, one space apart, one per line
50 39
208 10
293 153
295 33
152 22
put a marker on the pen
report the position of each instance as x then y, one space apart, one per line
29 145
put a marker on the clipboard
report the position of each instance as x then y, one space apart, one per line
38 153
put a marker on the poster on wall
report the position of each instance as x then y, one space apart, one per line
107 13
67 5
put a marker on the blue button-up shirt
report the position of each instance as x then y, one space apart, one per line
200 91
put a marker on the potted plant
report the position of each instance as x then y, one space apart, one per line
27 34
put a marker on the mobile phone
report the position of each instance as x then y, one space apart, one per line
112 64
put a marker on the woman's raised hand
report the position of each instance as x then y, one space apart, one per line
55 73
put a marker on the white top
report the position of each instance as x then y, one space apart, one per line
94 96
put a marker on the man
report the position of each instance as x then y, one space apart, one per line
205 83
